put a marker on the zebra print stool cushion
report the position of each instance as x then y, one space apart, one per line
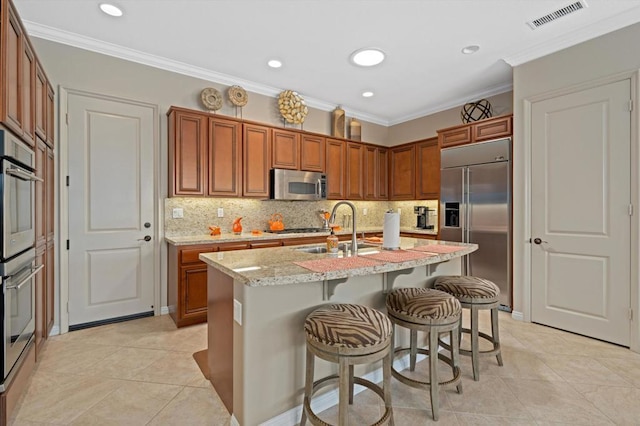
468 289
346 325
423 305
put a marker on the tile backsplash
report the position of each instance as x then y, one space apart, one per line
200 213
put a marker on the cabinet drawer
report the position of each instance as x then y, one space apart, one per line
191 255
233 246
264 244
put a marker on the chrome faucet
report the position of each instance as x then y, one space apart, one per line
332 218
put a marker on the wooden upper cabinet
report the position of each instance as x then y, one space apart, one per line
354 171
41 100
428 169
187 153
286 149
491 128
256 144
370 173
312 151
335 156
12 43
28 91
402 172
50 116
383 173
225 158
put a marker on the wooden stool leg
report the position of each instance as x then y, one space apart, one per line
350 384
413 343
474 343
496 334
308 385
455 356
343 405
386 381
433 372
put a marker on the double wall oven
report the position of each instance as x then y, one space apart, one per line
17 258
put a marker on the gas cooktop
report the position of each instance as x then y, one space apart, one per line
298 231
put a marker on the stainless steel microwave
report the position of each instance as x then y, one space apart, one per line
297 185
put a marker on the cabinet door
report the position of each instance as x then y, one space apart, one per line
194 291
13 72
428 169
312 153
255 164
354 171
187 153
49 186
335 169
370 174
383 173
402 171
225 158
41 190
285 152
49 269
40 313
491 129
50 116
27 91
41 103
455 136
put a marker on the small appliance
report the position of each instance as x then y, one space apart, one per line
423 215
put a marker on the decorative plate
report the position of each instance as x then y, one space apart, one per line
238 96
292 107
211 98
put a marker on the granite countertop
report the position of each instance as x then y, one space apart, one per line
275 266
247 236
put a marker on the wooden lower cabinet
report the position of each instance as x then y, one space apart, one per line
41 297
419 235
9 398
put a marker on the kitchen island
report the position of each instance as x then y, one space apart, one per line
258 301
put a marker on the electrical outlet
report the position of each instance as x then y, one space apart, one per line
364 212
220 255
178 213
220 212
399 210
237 311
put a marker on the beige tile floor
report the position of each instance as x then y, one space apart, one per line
142 372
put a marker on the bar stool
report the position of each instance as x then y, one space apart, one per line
433 312
348 335
475 294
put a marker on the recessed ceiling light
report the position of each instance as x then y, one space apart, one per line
274 63
470 49
110 9
367 57
367 94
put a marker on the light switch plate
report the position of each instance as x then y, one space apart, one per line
178 213
237 311
220 212
364 212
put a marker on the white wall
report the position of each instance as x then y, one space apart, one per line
604 56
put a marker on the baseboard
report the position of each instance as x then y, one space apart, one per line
234 421
55 330
329 399
518 316
164 310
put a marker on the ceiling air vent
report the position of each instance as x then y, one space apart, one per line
574 7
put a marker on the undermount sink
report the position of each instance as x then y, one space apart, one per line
318 249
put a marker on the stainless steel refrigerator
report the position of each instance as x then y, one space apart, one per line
475 207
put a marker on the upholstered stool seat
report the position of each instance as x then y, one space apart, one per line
348 335
433 312
475 294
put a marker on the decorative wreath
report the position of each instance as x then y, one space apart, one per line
474 111
292 107
211 98
238 96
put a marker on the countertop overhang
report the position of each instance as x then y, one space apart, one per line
275 266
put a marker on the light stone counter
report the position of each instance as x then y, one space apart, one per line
248 236
256 353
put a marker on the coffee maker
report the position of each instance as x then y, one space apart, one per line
423 220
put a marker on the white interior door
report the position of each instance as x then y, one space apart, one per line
581 194
111 191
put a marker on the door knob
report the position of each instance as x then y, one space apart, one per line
146 238
147 225
538 241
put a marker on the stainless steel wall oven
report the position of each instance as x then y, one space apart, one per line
17 256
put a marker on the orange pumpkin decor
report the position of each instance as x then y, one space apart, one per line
237 226
214 230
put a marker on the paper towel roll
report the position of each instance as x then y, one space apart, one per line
391 231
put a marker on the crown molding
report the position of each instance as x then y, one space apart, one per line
87 43
453 103
592 31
